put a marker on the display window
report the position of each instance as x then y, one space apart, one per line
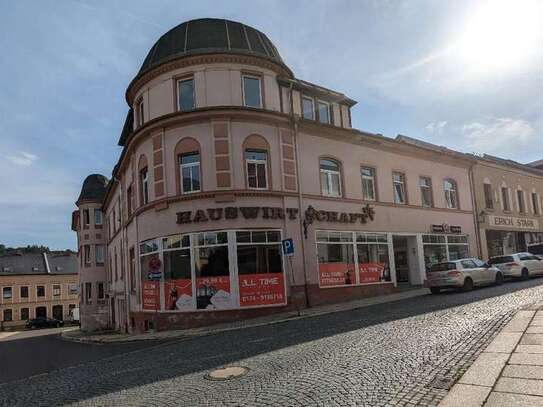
373 262
440 248
213 271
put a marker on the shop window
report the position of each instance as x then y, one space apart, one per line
252 93
426 191
25 314
323 111
177 273
97 217
260 271
451 194
185 94
151 270
330 172
335 252
368 184
535 203
100 254
8 315
398 181
56 290
144 185
256 162
212 271
505 199
520 201
373 262
24 292
308 108
489 202
7 293
189 168
440 248
40 291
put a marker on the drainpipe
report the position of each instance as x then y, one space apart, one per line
475 212
294 124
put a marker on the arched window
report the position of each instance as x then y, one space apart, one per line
521 201
330 171
189 176
143 178
256 156
451 193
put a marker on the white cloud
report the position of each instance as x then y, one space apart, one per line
499 136
22 158
436 127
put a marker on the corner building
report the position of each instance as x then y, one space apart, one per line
226 153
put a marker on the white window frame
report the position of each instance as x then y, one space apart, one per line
98 217
144 185
449 193
257 162
325 188
429 188
56 287
403 189
87 254
100 253
370 178
179 81
10 293
322 102
312 107
248 76
191 167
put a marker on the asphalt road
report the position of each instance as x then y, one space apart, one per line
404 353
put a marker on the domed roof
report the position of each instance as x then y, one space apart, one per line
94 188
210 35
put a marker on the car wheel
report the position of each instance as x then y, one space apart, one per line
525 275
468 285
499 279
435 290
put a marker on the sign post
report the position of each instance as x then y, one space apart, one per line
287 246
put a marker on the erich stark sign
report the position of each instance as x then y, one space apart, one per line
288 247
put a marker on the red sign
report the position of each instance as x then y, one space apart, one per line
371 272
150 295
331 274
178 294
213 292
261 289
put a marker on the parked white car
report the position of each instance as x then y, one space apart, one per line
518 265
462 273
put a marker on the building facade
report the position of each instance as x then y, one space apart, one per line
37 285
508 201
225 155
87 222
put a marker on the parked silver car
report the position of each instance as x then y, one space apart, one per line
518 265
462 273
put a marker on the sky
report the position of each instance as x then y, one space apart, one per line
464 74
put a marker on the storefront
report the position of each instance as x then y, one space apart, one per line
217 270
508 234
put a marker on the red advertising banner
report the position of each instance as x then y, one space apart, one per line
331 274
178 294
213 292
371 272
150 295
261 289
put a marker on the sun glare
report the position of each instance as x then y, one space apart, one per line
501 35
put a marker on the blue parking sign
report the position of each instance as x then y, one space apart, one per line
288 247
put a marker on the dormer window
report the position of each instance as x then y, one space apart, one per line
185 94
308 108
252 92
323 112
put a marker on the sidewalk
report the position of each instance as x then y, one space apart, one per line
510 370
112 337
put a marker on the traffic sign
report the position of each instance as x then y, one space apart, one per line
288 247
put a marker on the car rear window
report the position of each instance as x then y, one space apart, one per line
500 260
442 267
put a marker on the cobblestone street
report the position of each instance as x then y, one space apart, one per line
404 353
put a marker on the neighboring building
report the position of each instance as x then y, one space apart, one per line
34 285
225 154
508 200
88 222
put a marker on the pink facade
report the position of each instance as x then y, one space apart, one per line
201 198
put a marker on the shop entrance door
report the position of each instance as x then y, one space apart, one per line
406 259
